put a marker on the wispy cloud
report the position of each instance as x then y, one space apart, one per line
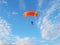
25 41
4 28
7 38
22 4
1 42
50 30
14 12
57 44
40 2
3 2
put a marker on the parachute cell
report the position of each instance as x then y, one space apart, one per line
30 13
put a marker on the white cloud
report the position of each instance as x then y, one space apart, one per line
7 38
22 4
14 13
4 28
5 31
3 2
40 2
25 41
50 30
1 42
11 14
57 44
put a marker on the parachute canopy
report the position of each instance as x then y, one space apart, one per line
30 13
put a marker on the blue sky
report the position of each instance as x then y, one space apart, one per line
20 24
45 25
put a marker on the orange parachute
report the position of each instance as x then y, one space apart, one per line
30 13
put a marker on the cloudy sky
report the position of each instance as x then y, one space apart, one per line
15 29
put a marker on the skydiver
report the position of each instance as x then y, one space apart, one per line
32 22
